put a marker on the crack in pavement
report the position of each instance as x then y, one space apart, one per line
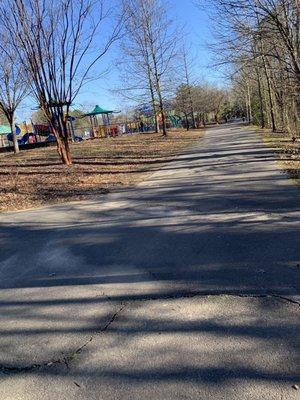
287 299
67 359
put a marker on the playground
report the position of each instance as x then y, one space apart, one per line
97 123
36 176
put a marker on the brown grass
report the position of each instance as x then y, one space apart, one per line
288 152
36 177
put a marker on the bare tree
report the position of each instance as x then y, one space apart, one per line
201 104
260 39
186 64
217 98
186 91
58 42
183 104
135 63
12 87
152 47
208 101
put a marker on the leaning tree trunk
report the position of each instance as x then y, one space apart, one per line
270 100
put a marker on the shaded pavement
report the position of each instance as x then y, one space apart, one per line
185 287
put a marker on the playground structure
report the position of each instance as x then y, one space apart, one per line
101 123
98 129
27 134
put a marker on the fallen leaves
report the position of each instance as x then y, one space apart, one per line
37 177
288 152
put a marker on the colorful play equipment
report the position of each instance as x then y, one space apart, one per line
26 134
98 129
4 131
141 120
175 120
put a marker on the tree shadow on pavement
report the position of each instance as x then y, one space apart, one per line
173 284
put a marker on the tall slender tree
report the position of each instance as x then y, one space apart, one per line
135 63
153 47
13 87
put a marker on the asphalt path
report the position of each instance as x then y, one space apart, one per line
185 287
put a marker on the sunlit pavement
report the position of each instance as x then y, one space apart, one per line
186 287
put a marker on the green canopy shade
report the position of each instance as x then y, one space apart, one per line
98 111
4 130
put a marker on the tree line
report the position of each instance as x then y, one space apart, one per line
260 42
52 48
155 66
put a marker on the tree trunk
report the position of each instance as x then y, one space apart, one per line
261 103
63 149
271 101
153 103
161 105
187 123
269 90
193 119
162 111
249 104
158 90
151 88
156 130
187 78
156 127
63 146
14 136
163 120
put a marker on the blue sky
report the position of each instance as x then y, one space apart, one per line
198 28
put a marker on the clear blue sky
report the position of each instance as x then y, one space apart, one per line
198 27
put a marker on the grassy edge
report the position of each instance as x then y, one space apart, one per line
274 143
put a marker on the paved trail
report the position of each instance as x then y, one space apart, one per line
186 287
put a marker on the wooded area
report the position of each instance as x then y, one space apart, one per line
260 42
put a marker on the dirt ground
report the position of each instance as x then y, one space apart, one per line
37 177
